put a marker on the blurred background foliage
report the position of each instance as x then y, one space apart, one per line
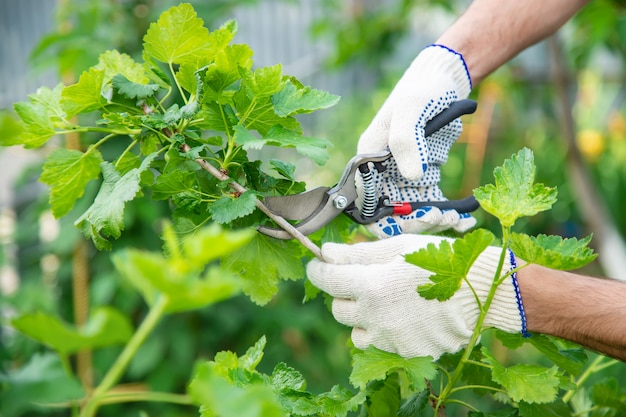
360 50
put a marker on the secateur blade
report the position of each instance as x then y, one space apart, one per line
317 207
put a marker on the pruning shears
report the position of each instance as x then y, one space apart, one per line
315 208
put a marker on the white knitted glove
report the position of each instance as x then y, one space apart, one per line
435 79
374 292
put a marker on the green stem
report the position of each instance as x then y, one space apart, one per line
128 148
157 310
180 89
145 396
594 367
447 391
485 387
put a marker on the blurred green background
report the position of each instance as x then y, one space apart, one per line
563 98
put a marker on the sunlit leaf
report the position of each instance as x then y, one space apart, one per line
515 194
292 100
36 126
115 63
85 95
553 251
179 36
67 172
449 262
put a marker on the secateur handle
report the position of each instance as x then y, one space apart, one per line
466 205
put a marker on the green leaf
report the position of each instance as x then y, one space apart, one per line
85 95
263 262
115 63
67 172
50 99
514 194
285 378
174 183
257 113
225 71
105 217
374 364
607 393
216 396
553 251
43 380
313 148
37 127
292 100
263 81
523 382
133 90
554 409
227 209
105 327
450 263
10 130
182 278
179 36
339 401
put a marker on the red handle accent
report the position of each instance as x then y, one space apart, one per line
402 209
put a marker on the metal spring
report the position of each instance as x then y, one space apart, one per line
370 200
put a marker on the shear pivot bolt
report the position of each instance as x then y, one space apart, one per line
340 202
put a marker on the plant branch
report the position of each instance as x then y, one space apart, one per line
121 363
288 227
145 396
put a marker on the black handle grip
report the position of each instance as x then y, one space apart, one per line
466 205
456 109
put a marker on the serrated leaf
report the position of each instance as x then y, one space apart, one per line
225 71
286 378
292 100
553 251
263 81
43 380
314 148
132 90
50 99
173 183
115 63
227 209
524 382
374 364
85 95
218 397
179 36
36 125
257 113
515 194
450 263
105 327
339 401
67 172
263 262
607 393
105 217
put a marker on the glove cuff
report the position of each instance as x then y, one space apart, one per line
506 311
441 58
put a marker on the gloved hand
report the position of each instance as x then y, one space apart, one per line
374 292
435 79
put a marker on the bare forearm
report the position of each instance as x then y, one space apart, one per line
585 310
491 32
